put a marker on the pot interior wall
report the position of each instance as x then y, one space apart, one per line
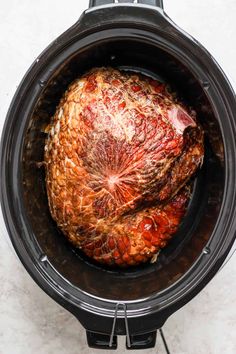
189 242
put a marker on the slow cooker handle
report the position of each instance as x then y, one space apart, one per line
158 3
103 341
109 341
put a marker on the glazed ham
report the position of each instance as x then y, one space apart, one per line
118 156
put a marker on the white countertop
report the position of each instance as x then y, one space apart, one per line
30 321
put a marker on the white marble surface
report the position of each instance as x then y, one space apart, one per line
30 322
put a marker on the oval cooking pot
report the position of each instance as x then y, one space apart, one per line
137 301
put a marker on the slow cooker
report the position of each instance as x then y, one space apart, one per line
136 36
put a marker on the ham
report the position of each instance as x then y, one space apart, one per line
119 154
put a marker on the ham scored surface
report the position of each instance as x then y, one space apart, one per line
119 153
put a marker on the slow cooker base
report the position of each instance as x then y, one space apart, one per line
132 37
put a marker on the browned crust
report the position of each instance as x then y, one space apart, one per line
114 145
